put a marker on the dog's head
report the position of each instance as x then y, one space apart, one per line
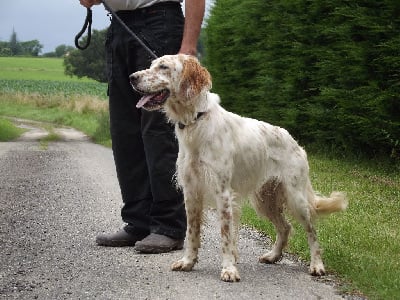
178 78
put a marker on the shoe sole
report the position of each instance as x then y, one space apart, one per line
157 250
108 243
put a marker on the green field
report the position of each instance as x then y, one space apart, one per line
28 68
361 245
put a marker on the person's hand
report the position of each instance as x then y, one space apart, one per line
89 3
186 49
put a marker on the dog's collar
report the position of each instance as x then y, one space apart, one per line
199 114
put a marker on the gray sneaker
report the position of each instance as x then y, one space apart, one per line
157 243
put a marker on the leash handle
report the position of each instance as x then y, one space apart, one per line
114 15
87 25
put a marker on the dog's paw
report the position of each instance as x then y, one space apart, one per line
270 258
230 274
182 265
317 269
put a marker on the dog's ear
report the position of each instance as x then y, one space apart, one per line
194 79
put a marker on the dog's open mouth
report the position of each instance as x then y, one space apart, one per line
153 100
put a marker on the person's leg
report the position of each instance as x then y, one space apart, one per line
167 214
127 143
163 31
143 143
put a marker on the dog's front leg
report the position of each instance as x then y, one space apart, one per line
229 251
194 212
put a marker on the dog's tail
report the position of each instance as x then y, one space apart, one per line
336 202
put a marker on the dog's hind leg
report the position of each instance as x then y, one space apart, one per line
269 202
301 209
194 211
229 230
316 265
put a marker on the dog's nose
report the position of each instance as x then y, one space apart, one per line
133 78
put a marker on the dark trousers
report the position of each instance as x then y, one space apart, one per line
144 145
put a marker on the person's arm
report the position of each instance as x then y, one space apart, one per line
194 13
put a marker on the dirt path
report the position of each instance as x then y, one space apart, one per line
54 201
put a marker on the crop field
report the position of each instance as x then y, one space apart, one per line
44 76
52 87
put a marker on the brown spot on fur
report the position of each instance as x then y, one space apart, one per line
271 191
226 215
225 230
194 78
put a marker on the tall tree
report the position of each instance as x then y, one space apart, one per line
14 45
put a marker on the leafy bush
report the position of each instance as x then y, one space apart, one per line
90 62
328 71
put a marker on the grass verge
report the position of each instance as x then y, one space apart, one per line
51 137
8 131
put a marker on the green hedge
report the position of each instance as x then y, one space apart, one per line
328 71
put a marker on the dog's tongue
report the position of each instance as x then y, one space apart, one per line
143 101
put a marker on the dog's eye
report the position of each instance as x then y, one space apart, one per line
163 67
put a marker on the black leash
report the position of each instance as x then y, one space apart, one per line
114 15
88 24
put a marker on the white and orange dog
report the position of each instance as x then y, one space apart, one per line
225 157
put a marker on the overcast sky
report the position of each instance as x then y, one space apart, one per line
52 22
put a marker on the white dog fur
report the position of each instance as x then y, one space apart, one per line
225 157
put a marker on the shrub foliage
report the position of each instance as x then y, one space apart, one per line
90 62
328 71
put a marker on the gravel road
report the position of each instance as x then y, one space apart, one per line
54 200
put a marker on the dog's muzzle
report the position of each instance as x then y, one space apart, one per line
150 100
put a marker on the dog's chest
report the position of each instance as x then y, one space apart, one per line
201 160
